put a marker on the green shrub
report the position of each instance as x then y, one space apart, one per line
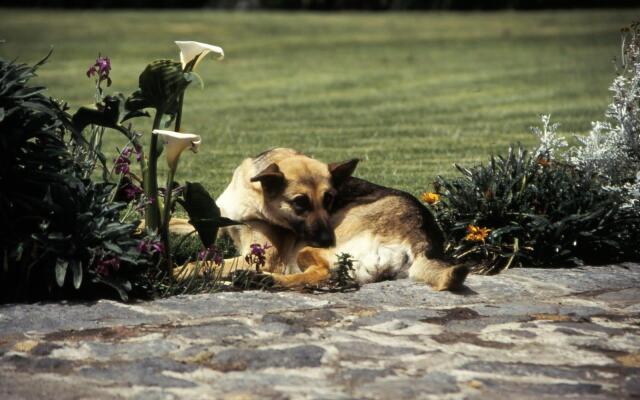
550 208
59 230
534 212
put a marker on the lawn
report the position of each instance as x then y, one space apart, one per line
410 94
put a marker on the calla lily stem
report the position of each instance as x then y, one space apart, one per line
152 209
179 113
164 235
166 219
187 68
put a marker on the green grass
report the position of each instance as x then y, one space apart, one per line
409 93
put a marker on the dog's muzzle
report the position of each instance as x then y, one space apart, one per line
321 238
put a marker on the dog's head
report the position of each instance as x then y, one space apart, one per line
298 194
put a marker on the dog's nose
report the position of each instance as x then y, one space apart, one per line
320 234
323 239
326 239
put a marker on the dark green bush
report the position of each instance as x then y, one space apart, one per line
539 212
60 233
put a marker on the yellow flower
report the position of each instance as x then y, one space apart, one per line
190 50
477 233
176 143
430 197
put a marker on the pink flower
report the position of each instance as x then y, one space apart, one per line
102 68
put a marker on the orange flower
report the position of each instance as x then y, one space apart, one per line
430 197
476 233
544 162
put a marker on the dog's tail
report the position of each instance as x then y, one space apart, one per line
439 274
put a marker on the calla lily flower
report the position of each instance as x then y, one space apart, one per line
190 50
176 143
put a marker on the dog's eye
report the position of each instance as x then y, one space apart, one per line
327 200
301 203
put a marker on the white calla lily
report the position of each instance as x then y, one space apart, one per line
190 50
176 143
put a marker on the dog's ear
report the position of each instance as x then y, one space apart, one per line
341 171
271 179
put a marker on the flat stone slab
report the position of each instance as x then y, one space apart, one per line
527 333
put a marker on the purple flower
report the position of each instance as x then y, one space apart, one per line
122 163
102 68
142 246
157 247
150 246
257 255
106 266
122 168
257 250
138 151
211 254
104 65
132 191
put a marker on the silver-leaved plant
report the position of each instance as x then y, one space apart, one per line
550 142
611 149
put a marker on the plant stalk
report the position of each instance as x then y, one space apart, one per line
166 219
188 68
179 113
152 208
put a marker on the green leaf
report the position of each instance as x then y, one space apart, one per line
136 102
61 271
134 114
122 286
161 84
113 247
203 212
107 114
76 268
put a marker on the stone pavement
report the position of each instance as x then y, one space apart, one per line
530 333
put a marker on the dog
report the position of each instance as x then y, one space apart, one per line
309 212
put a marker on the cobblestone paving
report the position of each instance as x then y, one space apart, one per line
530 333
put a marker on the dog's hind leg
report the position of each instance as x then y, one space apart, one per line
437 273
231 265
226 270
315 264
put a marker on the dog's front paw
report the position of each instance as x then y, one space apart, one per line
248 279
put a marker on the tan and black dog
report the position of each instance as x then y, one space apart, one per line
310 211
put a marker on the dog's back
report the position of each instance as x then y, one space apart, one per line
390 234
